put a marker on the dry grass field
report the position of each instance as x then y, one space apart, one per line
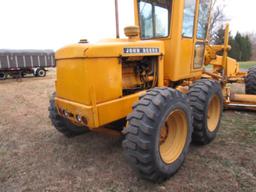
35 157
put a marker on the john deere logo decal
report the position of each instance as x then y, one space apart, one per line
140 50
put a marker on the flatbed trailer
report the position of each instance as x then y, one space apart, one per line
18 63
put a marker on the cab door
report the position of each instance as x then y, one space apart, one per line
200 31
188 35
194 32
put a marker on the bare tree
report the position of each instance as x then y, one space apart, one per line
217 20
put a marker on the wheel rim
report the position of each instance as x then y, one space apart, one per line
213 115
41 73
173 136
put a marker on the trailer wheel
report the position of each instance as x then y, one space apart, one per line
206 100
250 81
158 133
40 72
3 76
62 124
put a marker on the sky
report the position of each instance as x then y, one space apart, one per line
51 24
241 15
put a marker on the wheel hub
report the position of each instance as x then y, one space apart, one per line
173 136
213 115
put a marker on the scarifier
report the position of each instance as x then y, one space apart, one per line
154 83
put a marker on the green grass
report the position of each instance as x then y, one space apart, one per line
243 65
247 65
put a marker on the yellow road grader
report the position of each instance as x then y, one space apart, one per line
154 83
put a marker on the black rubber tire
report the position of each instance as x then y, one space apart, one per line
3 76
40 72
63 125
200 94
250 81
141 143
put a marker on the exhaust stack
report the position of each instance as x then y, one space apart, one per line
117 19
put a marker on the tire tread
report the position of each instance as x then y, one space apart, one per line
250 81
140 130
199 94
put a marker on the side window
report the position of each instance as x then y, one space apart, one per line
154 18
204 11
162 21
199 55
146 19
188 18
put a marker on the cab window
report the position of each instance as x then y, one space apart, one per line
189 18
204 11
154 18
199 55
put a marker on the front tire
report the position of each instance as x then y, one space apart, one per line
206 100
158 133
61 124
250 81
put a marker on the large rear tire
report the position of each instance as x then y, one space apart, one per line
206 100
158 133
250 81
63 125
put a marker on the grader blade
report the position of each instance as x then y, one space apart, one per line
242 102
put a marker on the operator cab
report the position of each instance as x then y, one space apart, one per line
183 33
155 18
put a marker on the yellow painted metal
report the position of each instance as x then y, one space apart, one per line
93 83
214 111
211 53
225 51
76 78
232 67
108 48
179 51
173 136
71 81
239 101
74 51
99 114
76 109
117 109
244 98
90 77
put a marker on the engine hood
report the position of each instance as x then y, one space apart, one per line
111 48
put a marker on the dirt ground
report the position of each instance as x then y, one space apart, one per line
35 157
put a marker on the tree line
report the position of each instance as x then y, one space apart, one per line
243 45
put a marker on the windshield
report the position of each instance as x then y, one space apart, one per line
154 18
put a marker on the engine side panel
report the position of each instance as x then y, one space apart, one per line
78 78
